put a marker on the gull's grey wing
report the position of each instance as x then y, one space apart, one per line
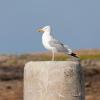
59 46
54 43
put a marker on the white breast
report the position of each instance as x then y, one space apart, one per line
45 40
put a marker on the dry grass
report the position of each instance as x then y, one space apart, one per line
19 60
92 54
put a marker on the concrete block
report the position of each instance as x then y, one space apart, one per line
53 80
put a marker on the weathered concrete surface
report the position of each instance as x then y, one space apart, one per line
53 80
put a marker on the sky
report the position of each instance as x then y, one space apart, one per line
74 22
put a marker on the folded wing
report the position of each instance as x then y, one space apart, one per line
59 46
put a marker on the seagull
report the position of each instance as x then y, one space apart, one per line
54 45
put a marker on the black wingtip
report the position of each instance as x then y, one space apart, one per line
74 55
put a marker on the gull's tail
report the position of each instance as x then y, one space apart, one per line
74 55
70 52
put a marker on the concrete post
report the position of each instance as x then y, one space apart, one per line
53 80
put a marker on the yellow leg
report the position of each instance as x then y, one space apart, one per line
53 55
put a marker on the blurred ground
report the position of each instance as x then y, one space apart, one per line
11 73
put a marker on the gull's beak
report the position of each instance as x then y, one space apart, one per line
40 30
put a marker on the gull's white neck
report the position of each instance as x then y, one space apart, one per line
46 35
47 32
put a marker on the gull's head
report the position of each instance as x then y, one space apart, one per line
44 29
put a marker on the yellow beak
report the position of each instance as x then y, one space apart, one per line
40 30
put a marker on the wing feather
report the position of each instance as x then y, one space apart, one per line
59 46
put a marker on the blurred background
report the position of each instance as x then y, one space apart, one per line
74 22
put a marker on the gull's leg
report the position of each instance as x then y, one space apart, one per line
53 55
